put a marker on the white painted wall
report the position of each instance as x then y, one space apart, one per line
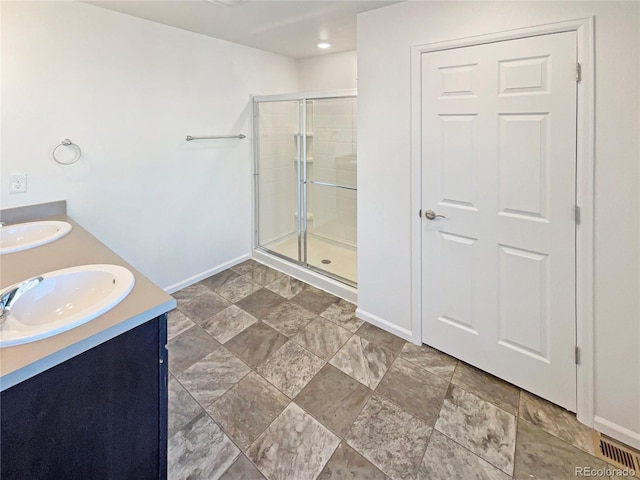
128 91
335 71
385 37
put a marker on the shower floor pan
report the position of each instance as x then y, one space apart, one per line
333 257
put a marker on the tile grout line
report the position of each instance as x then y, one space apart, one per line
556 436
290 400
515 449
459 444
566 442
448 380
242 452
374 392
204 410
424 454
515 445
265 429
330 457
480 398
334 354
476 455
343 438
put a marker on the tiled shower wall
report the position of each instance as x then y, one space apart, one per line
333 151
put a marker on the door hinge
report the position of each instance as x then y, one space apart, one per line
578 72
577 215
577 355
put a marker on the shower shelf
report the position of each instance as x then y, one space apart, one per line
309 216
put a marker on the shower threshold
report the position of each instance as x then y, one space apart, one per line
337 277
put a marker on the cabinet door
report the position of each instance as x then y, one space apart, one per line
99 415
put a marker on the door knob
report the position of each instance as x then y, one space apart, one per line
431 215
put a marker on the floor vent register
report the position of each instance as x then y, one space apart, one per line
616 454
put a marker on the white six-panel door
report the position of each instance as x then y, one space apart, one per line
499 163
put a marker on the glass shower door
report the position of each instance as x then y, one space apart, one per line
306 183
278 189
331 190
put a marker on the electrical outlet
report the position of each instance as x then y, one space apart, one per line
17 183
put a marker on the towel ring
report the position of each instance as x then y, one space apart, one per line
67 143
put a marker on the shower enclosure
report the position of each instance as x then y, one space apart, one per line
305 182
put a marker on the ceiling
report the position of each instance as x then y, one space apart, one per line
291 28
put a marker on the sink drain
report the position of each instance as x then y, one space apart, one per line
326 261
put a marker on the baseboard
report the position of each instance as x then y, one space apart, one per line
385 325
206 274
617 432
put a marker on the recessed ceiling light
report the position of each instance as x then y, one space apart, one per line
324 45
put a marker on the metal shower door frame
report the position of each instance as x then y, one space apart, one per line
302 179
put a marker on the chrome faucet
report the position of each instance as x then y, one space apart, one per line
9 295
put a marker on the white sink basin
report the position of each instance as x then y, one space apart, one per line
22 236
63 300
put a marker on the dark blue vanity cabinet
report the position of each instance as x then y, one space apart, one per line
99 415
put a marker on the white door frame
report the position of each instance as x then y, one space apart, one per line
584 191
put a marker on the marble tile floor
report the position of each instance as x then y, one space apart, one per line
271 378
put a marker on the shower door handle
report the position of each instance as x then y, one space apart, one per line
431 215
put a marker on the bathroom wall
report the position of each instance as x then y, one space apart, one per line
385 37
334 71
127 91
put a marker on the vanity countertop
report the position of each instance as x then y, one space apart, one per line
145 302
